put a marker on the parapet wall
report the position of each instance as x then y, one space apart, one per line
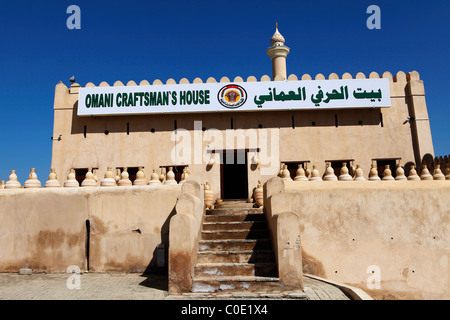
103 228
398 230
400 77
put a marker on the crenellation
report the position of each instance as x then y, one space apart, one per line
400 173
52 181
285 174
329 173
32 181
387 174
359 175
315 175
425 174
413 174
373 173
437 174
412 75
400 77
347 76
71 182
319 76
108 180
154 178
333 76
344 173
306 77
374 75
168 178
141 180
279 78
387 75
300 174
89 180
13 182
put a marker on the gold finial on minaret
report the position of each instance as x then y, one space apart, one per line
276 25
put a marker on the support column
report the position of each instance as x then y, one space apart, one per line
420 123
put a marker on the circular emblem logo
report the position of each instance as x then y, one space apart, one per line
232 96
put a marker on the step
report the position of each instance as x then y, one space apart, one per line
204 270
235 217
235 245
234 204
235 234
249 256
234 211
236 284
234 225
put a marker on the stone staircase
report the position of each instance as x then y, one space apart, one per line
235 252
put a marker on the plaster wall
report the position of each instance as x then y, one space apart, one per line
46 228
349 229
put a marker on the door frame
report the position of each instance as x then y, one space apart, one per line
223 153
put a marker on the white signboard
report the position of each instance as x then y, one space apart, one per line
242 96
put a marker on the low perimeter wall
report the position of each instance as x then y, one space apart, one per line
394 235
103 228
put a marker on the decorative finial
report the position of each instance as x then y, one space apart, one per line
277 38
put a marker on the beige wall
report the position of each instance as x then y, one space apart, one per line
46 228
315 143
401 227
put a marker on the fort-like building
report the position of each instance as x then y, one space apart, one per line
396 131
342 167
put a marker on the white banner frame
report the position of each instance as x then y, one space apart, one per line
241 96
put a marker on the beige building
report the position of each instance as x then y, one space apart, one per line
357 136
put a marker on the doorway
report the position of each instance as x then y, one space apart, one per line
234 175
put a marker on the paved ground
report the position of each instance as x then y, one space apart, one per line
96 286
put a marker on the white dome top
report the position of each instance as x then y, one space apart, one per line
277 38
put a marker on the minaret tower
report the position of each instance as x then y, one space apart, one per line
278 53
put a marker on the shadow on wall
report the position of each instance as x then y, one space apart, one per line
428 160
157 276
220 121
312 266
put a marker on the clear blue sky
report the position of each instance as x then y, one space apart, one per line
137 40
